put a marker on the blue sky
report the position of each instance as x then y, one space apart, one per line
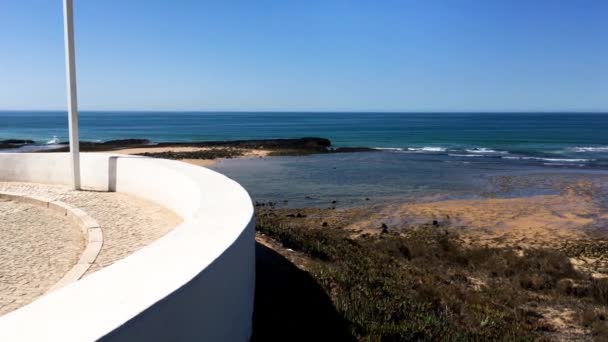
317 55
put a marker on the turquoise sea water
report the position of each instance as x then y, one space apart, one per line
580 138
423 154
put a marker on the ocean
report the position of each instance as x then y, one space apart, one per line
420 154
558 137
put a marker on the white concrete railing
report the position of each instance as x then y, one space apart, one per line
194 284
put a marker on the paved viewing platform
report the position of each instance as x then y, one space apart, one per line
38 246
149 249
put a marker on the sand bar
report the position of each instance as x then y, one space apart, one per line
247 153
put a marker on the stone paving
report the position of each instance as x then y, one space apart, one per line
37 246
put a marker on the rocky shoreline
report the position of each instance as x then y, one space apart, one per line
283 147
14 143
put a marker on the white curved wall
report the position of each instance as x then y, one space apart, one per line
195 283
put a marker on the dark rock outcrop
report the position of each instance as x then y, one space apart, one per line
110 145
14 143
308 143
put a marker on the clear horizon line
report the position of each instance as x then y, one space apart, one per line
322 111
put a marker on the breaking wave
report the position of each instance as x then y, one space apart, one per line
53 141
484 150
427 149
394 149
590 149
554 160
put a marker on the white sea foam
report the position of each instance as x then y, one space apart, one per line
555 160
394 149
427 149
484 150
559 160
53 141
590 149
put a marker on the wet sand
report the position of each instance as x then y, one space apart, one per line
535 221
573 221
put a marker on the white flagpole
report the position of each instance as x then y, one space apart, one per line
70 61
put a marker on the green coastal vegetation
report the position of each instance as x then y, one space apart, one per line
423 284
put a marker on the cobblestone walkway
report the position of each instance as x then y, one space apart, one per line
37 247
28 269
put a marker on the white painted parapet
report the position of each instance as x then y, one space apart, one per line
194 284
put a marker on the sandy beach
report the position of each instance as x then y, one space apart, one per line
243 153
